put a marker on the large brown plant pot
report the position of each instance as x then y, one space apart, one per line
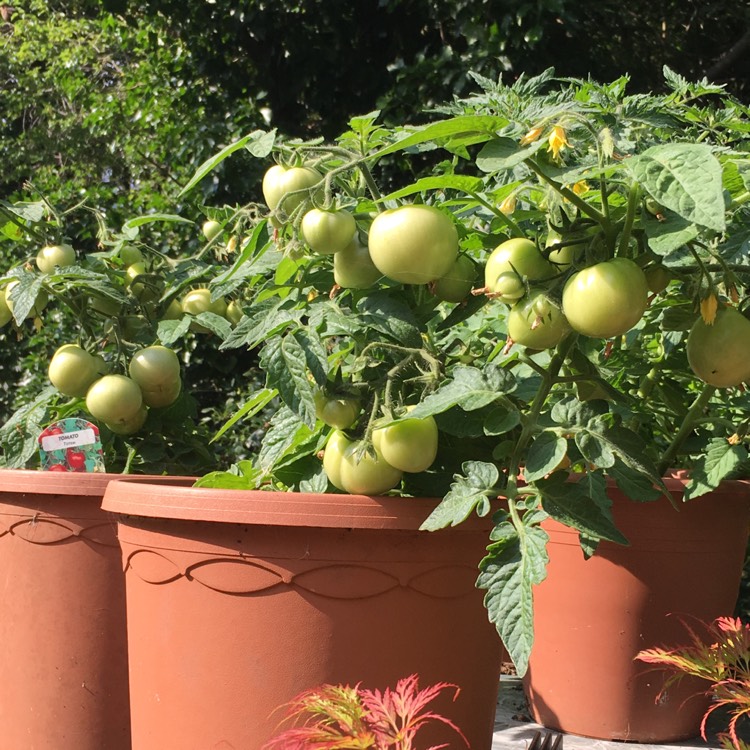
63 646
592 617
239 600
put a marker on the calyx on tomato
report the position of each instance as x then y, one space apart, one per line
336 411
606 299
409 444
536 322
719 354
413 244
352 469
512 263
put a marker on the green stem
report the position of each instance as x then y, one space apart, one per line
15 220
633 198
515 230
686 427
567 193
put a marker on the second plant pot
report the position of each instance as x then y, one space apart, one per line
239 600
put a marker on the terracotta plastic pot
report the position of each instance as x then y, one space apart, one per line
239 600
591 617
63 646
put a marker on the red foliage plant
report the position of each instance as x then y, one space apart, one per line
336 717
723 659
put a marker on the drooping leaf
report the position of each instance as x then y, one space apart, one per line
463 183
544 455
505 153
390 316
516 562
718 463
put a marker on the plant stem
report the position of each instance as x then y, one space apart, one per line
633 196
686 427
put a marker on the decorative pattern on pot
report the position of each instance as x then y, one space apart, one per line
55 530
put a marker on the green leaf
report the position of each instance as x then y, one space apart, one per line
151 218
685 178
263 320
544 455
718 463
249 409
594 448
471 389
568 502
634 484
169 331
669 234
285 362
464 183
24 295
466 125
515 563
256 137
391 316
501 419
285 431
571 412
467 494
215 323
505 153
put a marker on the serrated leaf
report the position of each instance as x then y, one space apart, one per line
285 362
569 503
32 211
685 178
139 221
169 331
544 455
463 183
594 449
462 125
249 409
390 316
669 234
572 412
501 419
24 294
515 563
263 320
215 323
467 494
634 484
210 164
261 143
284 431
719 462
504 153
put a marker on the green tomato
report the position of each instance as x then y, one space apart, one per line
210 229
327 232
72 370
413 244
339 412
536 323
146 288
130 426
366 474
154 366
409 444
198 301
55 256
278 181
657 278
353 267
130 255
519 257
173 310
606 299
105 305
337 443
6 314
456 284
509 287
234 312
161 395
114 399
719 354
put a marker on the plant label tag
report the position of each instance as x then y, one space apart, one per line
71 444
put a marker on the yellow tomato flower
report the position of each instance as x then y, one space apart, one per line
508 206
709 306
531 136
557 141
581 187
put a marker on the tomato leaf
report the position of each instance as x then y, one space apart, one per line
151 218
467 494
634 484
285 431
669 234
249 409
571 504
545 454
505 153
215 323
515 563
24 295
501 418
464 183
169 331
718 463
264 319
685 178
390 316
471 388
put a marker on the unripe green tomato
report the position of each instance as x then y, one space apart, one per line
130 255
55 256
520 257
279 181
40 303
159 396
339 412
606 299
409 445
114 399
6 314
536 323
154 366
657 278
456 284
413 244
210 229
353 267
147 289
337 443
130 426
370 475
72 370
105 305
719 354
198 301
173 311
327 232
234 312
509 287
